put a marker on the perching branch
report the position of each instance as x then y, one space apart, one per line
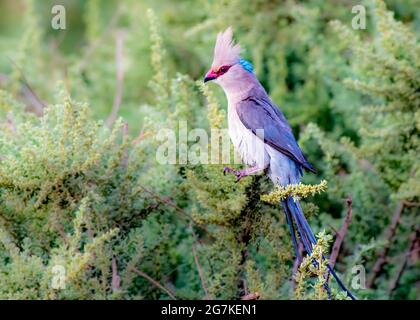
377 268
342 232
154 282
119 45
298 191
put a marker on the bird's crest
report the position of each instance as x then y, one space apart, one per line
226 52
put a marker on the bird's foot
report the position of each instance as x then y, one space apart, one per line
239 174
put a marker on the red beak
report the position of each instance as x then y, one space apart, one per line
210 75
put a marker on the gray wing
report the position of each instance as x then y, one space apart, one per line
256 113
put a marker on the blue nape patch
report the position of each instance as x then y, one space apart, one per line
246 65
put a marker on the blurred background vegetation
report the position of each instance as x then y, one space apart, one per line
80 186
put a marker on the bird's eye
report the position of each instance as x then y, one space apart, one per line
224 69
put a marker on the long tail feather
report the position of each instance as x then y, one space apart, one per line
294 211
292 230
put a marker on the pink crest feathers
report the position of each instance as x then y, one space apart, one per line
226 52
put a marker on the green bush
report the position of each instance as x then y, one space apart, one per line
83 196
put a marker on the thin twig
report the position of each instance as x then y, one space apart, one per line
141 136
29 96
415 253
116 279
124 160
59 227
119 46
197 263
85 59
170 203
342 232
154 282
251 296
411 204
3 79
394 283
10 122
29 93
167 201
377 268
200 271
334 230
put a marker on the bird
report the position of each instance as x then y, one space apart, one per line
262 136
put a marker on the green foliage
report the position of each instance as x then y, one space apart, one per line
316 265
93 198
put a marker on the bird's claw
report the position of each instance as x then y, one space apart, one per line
230 170
238 173
239 176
